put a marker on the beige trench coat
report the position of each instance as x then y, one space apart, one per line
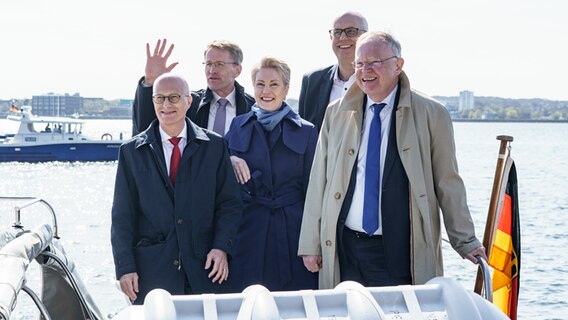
425 142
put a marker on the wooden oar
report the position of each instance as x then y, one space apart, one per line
493 204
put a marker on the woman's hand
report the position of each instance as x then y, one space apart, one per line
242 172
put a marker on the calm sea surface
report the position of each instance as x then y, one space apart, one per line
81 194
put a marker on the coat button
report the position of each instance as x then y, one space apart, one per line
351 152
328 243
337 195
180 221
176 263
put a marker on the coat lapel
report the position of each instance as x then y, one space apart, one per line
151 137
325 89
242 106
240 139
392 149
409 151
195 135
202 113
293 135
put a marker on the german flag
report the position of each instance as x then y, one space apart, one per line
505 254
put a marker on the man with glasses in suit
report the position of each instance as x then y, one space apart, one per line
176 207
384 178
326 85
213 108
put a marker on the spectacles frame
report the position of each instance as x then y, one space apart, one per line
349 32
357 65
218 64
172 98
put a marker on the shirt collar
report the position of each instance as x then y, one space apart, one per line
183 134
340 82
389 100
231 97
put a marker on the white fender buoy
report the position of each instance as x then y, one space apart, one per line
158 305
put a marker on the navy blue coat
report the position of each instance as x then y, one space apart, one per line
160 231
143 108
314 95
280 162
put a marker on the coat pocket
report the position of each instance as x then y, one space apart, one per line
157 265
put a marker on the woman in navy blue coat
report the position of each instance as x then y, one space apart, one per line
272 150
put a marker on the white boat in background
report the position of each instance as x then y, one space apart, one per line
64 296
53 139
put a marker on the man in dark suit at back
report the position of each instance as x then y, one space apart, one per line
326 85
213 108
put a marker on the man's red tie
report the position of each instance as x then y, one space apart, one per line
175 159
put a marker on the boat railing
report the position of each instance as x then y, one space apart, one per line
64 296
29 202
61 264
487 284
487 292
15 257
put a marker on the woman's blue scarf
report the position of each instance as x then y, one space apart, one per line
270 119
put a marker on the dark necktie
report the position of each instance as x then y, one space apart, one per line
371 202
220 116
175 159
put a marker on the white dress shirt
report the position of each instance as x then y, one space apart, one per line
231 110
354 219
340 87
168 147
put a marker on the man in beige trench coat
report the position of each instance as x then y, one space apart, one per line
419 138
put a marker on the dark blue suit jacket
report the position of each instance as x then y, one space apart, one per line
143 107
160 231
314 95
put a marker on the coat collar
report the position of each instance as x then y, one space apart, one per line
326 86
291 116
151 135
404 89
293 136
208 96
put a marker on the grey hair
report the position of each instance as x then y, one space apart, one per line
382 36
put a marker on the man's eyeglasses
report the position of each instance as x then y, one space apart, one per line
172 98
217 64
349 32
373 64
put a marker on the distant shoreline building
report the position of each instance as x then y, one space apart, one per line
466 100
57 105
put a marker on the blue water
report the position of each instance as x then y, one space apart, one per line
81 193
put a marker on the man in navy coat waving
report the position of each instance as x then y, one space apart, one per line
173 230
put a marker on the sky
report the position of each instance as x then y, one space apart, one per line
505 48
